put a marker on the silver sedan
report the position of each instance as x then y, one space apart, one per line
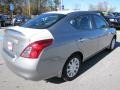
56 44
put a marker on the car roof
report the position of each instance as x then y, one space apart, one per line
59 12
74 11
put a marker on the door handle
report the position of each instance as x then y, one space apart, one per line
108 33
83 39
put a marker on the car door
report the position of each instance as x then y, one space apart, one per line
103 31
86 41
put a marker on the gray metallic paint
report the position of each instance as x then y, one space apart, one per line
67 41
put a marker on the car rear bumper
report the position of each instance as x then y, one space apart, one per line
26 69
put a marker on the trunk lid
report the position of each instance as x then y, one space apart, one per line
16 39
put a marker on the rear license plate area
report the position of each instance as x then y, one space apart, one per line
10 46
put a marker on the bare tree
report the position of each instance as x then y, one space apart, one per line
56 3
102 6
92 7
32 6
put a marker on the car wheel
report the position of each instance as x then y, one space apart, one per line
71 68
112 44
3 24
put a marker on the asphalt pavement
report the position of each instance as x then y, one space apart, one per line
102 72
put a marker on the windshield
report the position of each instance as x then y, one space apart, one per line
43 21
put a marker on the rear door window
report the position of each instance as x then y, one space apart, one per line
82 22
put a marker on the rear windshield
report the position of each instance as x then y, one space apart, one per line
43 21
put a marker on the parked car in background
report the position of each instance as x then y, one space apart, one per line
8 20
56 44
2 20
114 21
19 20
116 14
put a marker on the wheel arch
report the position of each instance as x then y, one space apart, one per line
74 53
77 53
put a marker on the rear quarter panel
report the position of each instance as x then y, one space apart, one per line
64 45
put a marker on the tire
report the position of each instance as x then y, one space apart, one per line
112 44
71 68
3 24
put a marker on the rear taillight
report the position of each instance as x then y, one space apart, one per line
33 50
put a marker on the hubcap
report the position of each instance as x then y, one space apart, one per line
113 44
73 67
